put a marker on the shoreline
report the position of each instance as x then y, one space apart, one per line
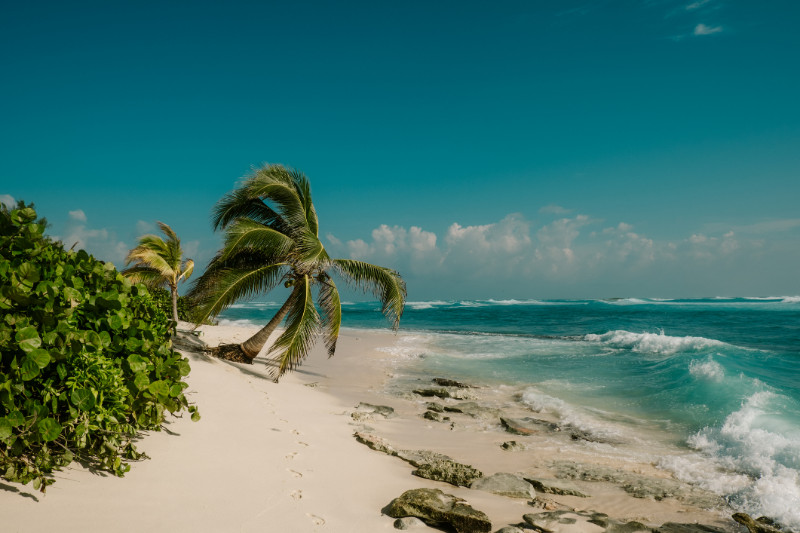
269 456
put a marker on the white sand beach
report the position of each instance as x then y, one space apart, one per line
282 457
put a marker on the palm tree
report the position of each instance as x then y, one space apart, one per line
272 237
158 262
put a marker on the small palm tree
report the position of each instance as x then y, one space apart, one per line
272 237
158 263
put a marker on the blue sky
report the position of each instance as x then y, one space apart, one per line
512 149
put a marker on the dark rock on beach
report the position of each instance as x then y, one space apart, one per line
504 484
428 393
675 527
409 522
443 382
568 521
513 446
438 509
759 525
375 442
382 410
435 416
457 474
435 407
555 486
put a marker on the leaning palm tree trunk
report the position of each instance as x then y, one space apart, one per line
252 346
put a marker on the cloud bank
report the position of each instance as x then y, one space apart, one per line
580 256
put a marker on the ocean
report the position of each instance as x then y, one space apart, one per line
708 388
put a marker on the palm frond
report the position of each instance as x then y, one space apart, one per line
385 283
302 324
331 307
153 258
246 233
186 271
222 286
239 204
303 188
148 276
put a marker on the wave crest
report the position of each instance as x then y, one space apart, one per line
656 343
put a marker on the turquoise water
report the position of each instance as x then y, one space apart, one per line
718 377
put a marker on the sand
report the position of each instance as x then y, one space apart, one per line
282 457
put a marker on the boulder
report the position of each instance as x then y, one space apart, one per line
435 416
375 442
759 525
555 486
527 425
504 484
435 407
674 527
438 509
383 410
444 382
420 457
428 393
457 474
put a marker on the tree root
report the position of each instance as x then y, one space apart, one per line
231 352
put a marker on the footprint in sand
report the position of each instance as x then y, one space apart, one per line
290 456
295 432
317 520
301 443
296 494
295 473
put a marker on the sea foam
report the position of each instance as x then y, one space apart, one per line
656 343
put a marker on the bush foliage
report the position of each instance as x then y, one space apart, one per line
86 359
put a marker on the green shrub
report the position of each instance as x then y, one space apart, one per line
86 360
163 300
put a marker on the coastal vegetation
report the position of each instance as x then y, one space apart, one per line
86 358
271 238
159 263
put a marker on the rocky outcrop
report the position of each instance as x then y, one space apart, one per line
444 382
382 410
441 510
580 522
527 425
457 474
759 525
674 527
504 484
555 486
638 485
429 393
435 416
429 465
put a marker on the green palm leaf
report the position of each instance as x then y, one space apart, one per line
302 324
248 233
331 307
385 283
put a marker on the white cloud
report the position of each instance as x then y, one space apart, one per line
144 228
7 200
696 5
702 29
78 215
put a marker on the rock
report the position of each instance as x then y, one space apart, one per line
510 485
527 425
409 522
760 525
546 504
420 457
435 416
443 382
435 407
438 509
509 529
449 409
383 410
580 522
513 446
638 485
457 474
674 527
555 486
428 393
359 416
375 442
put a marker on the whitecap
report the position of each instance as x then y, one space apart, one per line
707 369
656 343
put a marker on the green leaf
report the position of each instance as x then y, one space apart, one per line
141 381
27 274
137 363
28 339
29 369
15 418
5 428
40 357
49 429
175 390
159 388
195 416
83 399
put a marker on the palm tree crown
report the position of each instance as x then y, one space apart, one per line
158 263
272 237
